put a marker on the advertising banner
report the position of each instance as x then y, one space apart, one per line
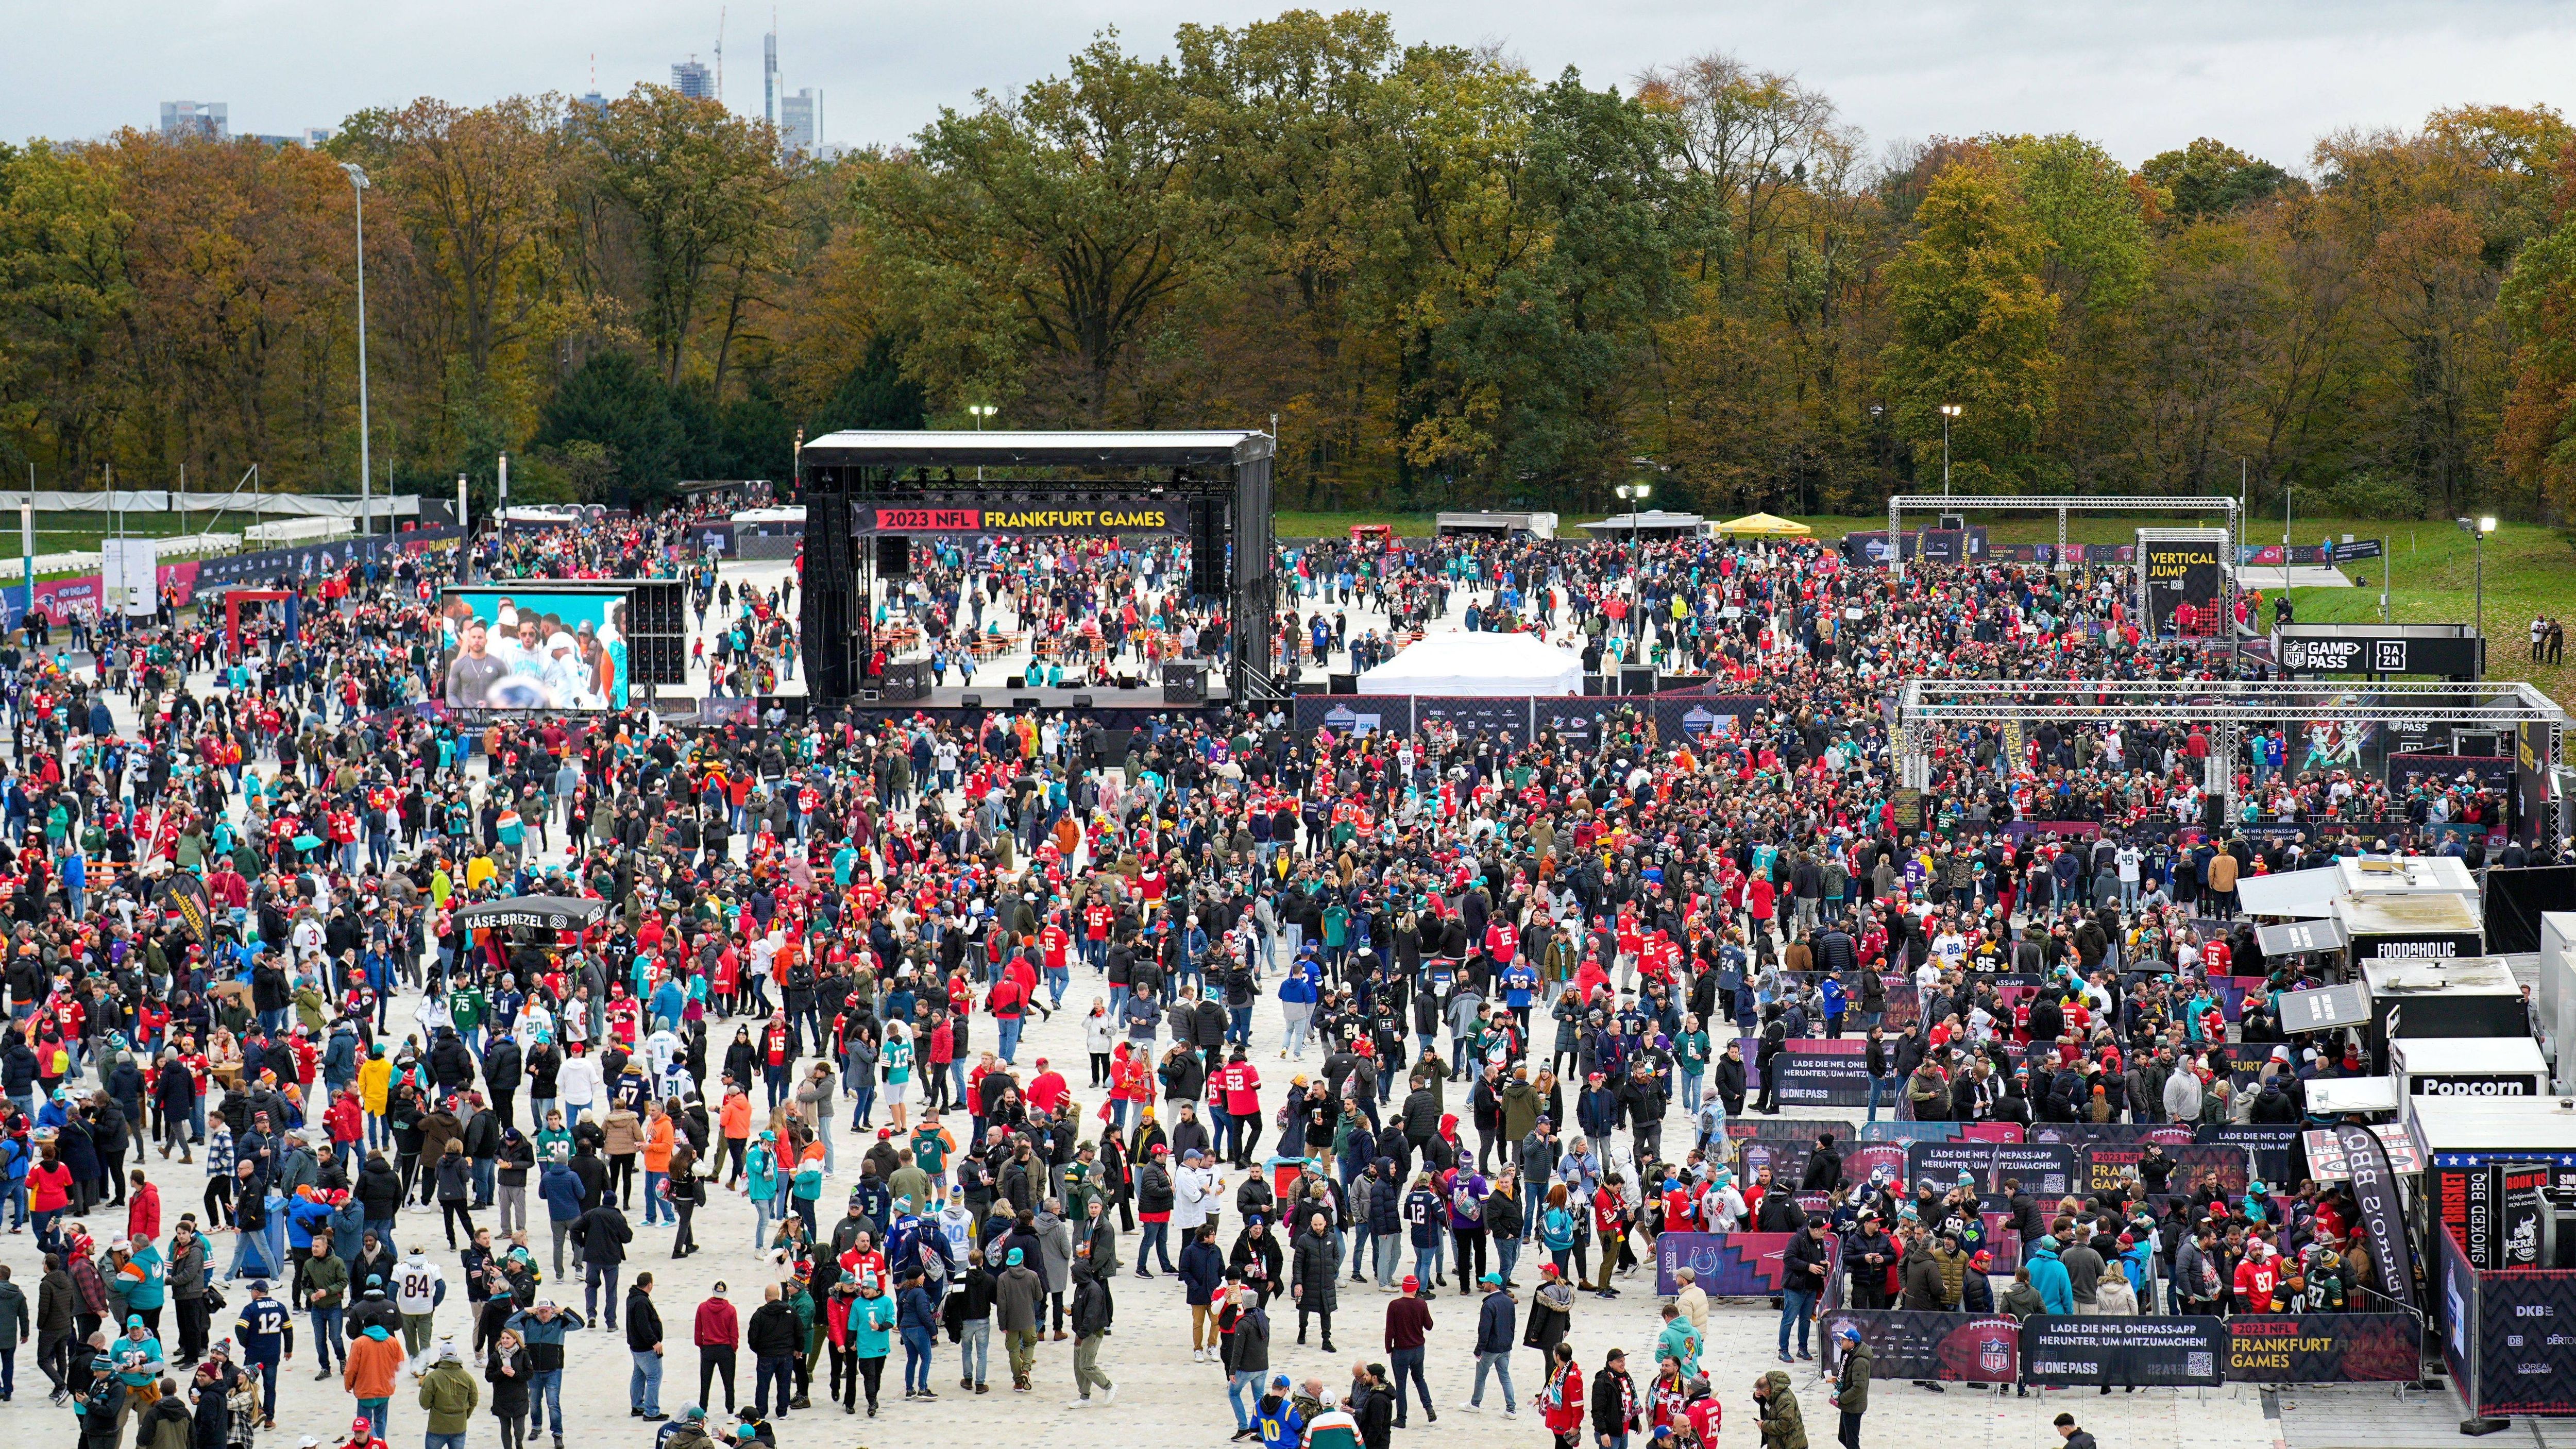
1727 1265
1924 1347
1503 719
2526 1327
2321 1348
2182 578
560 650
2146 1352
2044 1169
2192 1167
1100 519
1825 1079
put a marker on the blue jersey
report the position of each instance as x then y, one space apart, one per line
265 1330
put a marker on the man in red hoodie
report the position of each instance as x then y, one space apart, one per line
719 1333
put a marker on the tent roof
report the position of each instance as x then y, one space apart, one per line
1650 521
1767 524
1459 662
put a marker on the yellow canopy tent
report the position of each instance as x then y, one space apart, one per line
1763 525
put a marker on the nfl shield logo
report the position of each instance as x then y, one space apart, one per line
1994 1355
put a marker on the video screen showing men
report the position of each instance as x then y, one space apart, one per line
552 652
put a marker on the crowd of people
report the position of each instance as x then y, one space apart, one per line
1524 994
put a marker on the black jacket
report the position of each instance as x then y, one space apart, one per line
774 1332
643 1321
602 1234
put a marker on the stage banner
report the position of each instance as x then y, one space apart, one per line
1926 1347
2044 1169
1996 1132
2321 1348
1728 1265
2383 1215
1884 1130
1139 515
2145 1352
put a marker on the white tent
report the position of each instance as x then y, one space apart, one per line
1478 664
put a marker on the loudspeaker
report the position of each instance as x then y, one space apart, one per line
1024 701
1956 522
972 701
1185 682
1345 684
1082 701
1596 685
2213 814
1013 682
1636 679
1207 549
894 556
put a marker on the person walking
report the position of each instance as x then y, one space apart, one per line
450 1395
917 1322
1408 1329
644 1341
1019 1298
507 1368
1495 1319
1851 1385
1093 1310
1315 1275
368 1373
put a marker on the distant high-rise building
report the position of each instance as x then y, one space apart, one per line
211 120
694 80
769 75
594 103
800 121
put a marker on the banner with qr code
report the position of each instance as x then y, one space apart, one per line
1928 1347
2141 1352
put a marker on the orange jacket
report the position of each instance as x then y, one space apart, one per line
657 1147
372 1365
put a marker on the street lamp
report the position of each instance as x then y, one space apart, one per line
981 412
1948 411
1635 494
366 470
2479 528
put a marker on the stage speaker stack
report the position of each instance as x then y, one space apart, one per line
1207 549
1185 681
1636 679
657 632
834 617
1345 684
894 556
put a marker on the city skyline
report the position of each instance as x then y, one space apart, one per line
2271 80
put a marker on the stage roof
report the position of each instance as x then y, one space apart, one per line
1037 450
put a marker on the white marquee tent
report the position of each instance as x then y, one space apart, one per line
1458 662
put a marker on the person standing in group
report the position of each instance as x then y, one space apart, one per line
542 1329
375 1360
1782 1425
1560 1404
718 1333
871 1321
266 1333
1851 1385
1614 1402
507 1368
1408 1328
775 1338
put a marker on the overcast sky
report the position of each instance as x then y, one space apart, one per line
2266 75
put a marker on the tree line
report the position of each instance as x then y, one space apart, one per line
1449 279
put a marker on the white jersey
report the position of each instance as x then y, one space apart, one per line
416 1285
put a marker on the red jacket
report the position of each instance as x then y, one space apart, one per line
143 1217
717 1325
